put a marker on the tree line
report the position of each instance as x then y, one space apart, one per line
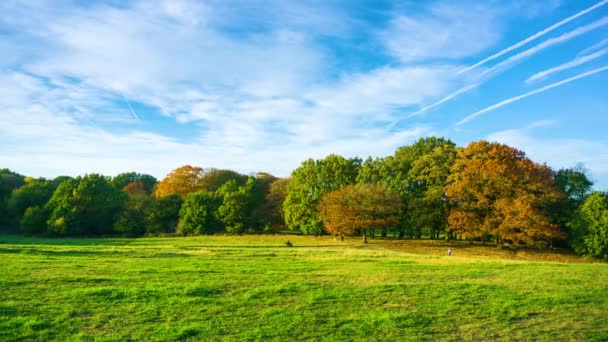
487 192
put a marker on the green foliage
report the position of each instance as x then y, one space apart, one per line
270 212
84 205
9 181
198 214
238 204
591 226
135 216
34 221
165 215
148 182
35 193
309 183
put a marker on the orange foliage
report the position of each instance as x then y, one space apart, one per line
498 192
181 181
135 189
347 210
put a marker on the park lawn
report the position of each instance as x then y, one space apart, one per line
254 288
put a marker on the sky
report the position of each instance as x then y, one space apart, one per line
115 86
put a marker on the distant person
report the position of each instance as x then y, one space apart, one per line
342 238
449 252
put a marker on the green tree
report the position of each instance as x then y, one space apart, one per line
9 181
309 183
134 218
198 214
35 193
165 214
591 226
34 221
270 212
418 173
84 205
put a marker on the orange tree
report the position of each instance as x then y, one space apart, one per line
181 181
498 193
354 208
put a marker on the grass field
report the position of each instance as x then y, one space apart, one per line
254 288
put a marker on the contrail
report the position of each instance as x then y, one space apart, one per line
537 91
571 64
593 47
506 64
131 108
534 36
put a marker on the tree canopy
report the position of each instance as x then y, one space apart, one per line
498 193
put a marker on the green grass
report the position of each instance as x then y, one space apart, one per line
253 288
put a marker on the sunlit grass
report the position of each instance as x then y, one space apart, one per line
254 288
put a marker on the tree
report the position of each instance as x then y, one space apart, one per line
355 208
270 212
591 226
165 214
238 204
122 180
418 172
497 192
9 181
35 193
198 214
135 215
309 183
574 182
213 179
33 220
84 205
181 181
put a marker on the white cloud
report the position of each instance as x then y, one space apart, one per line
446 31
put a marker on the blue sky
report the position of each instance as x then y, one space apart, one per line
114 86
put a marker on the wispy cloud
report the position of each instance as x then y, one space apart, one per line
535 36
528 94
571 64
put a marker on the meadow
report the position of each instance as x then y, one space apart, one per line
255 288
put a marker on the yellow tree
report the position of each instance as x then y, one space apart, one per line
354 208
497 192
181 181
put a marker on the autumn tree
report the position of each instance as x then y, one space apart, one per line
181 181
135 189
309 183
147 182
356 208
499 193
